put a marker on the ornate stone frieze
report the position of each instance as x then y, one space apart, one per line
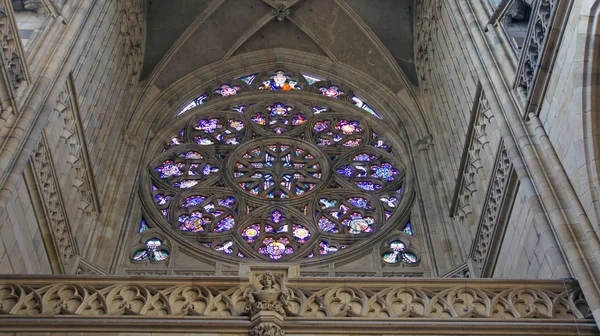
471 165
308 298
490 224
13 57
53 204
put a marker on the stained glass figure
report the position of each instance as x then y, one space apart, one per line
370 172
162 199
276 249
219 130
227 90
196 102
280 81
357 223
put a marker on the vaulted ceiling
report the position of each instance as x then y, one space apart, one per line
372 36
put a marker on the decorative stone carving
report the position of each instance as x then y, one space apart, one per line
489 220
13 56
53 204
471 164
281 12
267 329
425 143
535 43
426 22
268 298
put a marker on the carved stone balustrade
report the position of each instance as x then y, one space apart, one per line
274 304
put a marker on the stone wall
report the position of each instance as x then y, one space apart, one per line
71 169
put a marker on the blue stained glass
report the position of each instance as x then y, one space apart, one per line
226 247
225 224
193 201
327 203
208 125
140 255
198 101
226 202
408 229
276 216
325 248
390 201
365 157
346 171
143 226
327 225
359 202
369 186
248 79
162 199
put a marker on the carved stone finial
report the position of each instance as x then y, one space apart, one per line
281 12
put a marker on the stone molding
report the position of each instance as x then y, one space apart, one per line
492 222
54 209
58 302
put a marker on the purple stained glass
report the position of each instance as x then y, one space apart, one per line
208 169
320 126
331 91
203 141
352 143
327 225
227 201
251 233
279 110
227 90
164 212
369 186
193 201
196 222
225 224
208 125
346 171
237 125
348 127
276 216
301 233
226 247
359 202
327 203
357 223
170 169
192 155
299 119
162 199
365 157
326 248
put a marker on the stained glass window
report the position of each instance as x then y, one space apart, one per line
277 180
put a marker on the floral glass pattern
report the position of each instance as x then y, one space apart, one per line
338 132
354 215
370 172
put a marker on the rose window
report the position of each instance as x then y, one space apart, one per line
277 180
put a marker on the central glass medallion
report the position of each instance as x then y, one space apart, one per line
278 169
